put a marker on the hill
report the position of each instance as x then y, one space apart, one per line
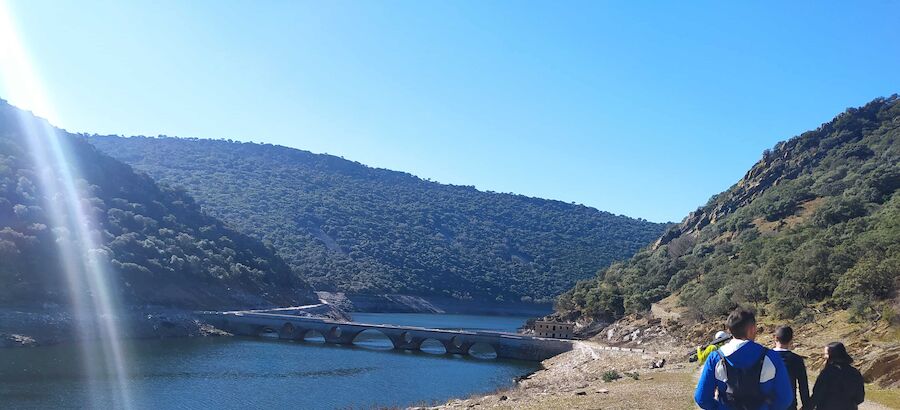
814 224
158 247
363 230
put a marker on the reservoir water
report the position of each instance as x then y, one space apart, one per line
226 372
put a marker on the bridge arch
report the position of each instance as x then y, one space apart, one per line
482 350
313 336
266 331
433 346
373 339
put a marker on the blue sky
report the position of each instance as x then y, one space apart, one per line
639 108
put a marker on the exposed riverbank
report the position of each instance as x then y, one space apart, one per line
575 380
41 327
395 303
51 325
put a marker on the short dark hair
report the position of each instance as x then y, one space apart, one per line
784 334
738 322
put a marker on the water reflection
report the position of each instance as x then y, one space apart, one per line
251 373
373 339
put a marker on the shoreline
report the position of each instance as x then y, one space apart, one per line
52 325
32 327
401 303
575 380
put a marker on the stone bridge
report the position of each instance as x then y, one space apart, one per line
286 326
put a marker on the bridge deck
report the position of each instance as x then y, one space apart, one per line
506 345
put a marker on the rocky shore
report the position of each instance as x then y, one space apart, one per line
49 325
592 377
38 327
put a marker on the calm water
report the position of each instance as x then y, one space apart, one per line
212 373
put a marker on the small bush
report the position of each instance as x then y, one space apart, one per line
633 375
611 375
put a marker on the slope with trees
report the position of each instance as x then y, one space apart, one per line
160 248
353 228
814 224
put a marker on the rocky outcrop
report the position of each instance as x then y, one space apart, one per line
882 367
787 160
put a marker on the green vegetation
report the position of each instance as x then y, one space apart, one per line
349 227
162 250
610 375
817 220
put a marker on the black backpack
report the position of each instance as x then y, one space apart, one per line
743 385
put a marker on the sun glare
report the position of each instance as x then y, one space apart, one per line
93 305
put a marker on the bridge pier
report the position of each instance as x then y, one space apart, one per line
340 335
457 345
289 331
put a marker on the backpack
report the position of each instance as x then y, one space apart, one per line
743 391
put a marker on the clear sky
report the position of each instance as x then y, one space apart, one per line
639 108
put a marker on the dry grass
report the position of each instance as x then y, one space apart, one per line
804 212
886 397
662 390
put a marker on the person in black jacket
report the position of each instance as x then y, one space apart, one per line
784 340
839 386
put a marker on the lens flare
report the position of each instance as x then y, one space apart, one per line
66 201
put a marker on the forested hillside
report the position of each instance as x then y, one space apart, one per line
815 223
350 227
160 248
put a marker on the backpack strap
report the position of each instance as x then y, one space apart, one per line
761 363
762 357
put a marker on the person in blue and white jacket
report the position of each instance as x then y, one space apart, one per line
743 375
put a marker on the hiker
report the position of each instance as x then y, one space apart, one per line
718 340
839 386
796 367
743 375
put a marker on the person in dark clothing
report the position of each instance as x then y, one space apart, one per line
839 386
784 340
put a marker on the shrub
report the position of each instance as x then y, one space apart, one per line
611 375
